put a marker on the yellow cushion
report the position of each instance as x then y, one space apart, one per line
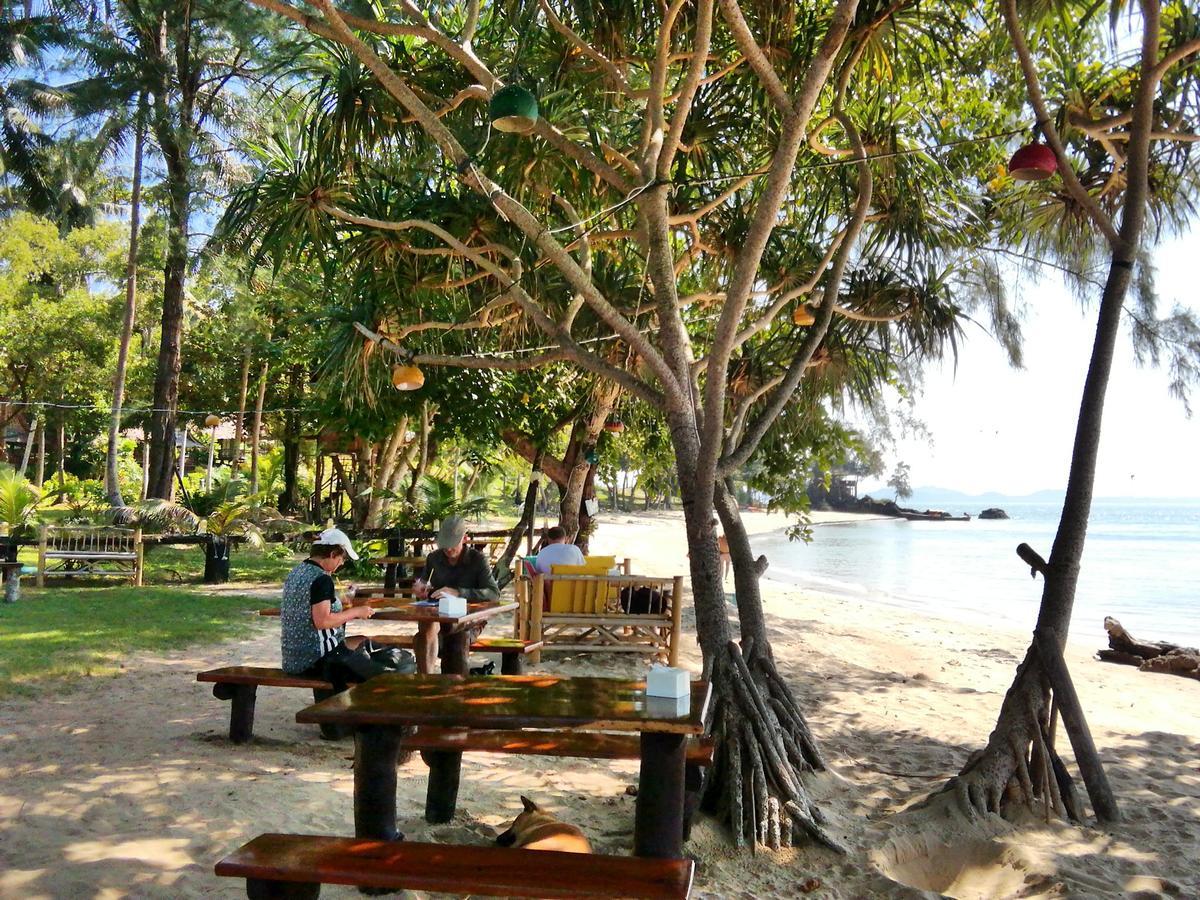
581 596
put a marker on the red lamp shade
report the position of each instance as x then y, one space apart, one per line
616 426
1033 162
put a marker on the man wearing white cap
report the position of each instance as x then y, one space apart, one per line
452 570
313 621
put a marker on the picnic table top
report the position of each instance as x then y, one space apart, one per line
512 701
420 612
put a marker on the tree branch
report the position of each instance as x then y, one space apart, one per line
755 433
1046 122
731 12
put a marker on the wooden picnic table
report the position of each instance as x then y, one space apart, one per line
455 631
381 709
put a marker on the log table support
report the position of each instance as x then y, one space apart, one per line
441 796
262 889
241 716
658 816
376 755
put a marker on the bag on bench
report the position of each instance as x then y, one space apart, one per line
641 601
367 660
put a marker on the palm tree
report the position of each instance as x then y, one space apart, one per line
23 40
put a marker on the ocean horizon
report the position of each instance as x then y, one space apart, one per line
1141 564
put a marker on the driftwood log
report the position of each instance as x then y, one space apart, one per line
1148 656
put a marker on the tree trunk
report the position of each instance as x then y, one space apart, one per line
239 433
392 458
256 425
166 379
1019 766
30 435
40 472
291 441
112 481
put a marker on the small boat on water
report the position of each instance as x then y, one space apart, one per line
934 515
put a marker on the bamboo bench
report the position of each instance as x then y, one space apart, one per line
293 866
585 614
89 551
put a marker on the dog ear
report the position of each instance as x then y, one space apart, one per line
530 806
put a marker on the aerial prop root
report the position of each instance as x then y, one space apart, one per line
764 745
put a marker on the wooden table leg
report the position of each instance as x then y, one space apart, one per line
376 753
456 648
658 815
441 796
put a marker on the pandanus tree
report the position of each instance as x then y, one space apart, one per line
714 203
1121 113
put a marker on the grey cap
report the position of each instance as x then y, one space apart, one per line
451 533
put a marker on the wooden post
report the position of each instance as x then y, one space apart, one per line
1094 779
140 549
42 538
676 617
627 566
658 815
536 597
376 753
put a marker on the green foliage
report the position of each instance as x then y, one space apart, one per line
899 481
18 502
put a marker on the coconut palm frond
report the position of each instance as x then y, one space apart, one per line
164 513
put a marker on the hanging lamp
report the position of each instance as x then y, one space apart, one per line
407 377
513 109
803 316
616 426
1035 161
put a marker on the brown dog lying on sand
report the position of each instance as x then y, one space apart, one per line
536 829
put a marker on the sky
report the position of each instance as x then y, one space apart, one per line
993 428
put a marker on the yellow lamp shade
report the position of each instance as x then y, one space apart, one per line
407 378
212 421
803 316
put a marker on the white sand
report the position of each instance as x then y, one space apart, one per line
127 787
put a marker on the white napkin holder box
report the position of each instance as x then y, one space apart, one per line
452 606
664 681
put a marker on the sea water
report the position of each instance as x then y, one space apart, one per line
1141 565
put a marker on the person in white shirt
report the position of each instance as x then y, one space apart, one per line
557 552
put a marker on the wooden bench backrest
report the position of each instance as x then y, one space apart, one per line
595 594
91 538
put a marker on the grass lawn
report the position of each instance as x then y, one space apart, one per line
56 636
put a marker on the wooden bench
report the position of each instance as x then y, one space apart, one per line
593 619
288 866
239 685
699 751
574 744
89 551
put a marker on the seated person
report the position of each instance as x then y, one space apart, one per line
312 620
557 552
452 570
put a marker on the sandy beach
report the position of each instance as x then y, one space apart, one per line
128 787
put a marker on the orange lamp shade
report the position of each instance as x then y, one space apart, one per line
616 426
803 316
407 378
1033 162
212 421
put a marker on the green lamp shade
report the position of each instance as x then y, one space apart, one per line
513 109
